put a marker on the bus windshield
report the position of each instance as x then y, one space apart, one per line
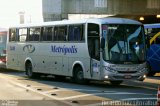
124 43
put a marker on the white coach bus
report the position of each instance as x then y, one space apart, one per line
107 49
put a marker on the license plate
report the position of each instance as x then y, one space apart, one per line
127 76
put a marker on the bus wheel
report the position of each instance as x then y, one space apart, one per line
116 82
150 72
78 76
29 71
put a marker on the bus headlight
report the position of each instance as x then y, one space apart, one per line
106 77
144 76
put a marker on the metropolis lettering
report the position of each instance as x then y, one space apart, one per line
63 49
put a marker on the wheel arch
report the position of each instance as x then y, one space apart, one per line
28 60
77 64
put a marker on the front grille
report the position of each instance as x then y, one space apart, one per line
127 72
122 77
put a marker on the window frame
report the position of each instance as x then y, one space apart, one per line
43 33
82 32
22 35
33 39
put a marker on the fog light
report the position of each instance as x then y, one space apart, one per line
106 77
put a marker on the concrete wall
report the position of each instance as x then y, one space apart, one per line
51 9
59 9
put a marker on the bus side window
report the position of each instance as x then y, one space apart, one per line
22 34
60 33
76 33
34 34
47 34
55 36
63 33
12 34
94 41
70 34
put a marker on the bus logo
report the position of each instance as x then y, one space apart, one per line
29 48
63 49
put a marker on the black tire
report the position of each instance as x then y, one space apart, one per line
29 71
150 73
116 82
78 75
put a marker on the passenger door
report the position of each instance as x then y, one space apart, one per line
94 50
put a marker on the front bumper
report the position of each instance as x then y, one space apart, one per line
127 76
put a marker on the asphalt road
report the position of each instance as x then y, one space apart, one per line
21 91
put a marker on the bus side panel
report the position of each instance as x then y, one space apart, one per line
58 65
38 63
12 59
21 61
11 63
65 66
153 54
50 64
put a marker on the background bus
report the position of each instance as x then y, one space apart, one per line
110 49
153 53
3 41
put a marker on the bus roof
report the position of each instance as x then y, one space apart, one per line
113 20
152 25
94 20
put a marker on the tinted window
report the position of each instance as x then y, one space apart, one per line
34 34
60 33
75 33
47 34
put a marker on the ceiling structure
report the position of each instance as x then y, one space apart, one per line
133 9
